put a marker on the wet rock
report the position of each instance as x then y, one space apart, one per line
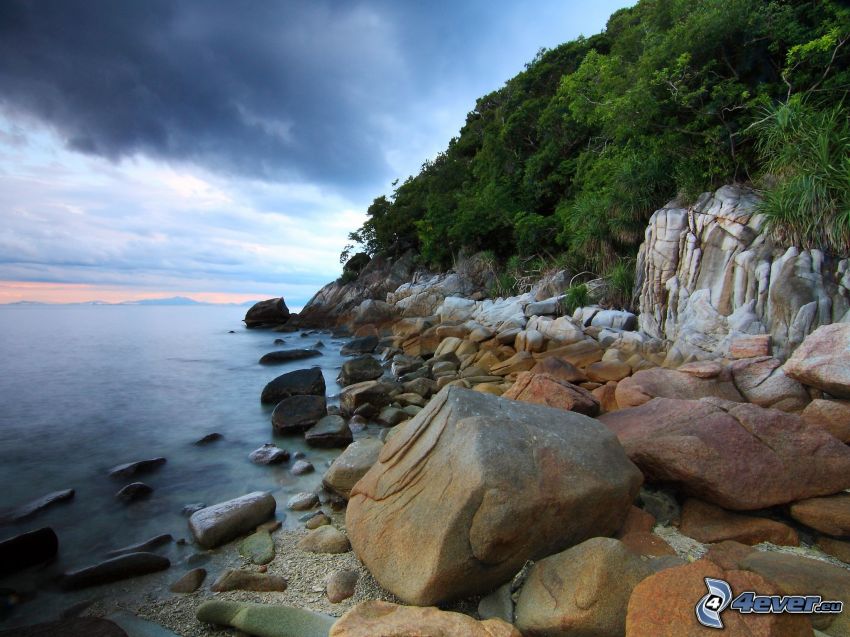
362 345
28 549
298 413
330 431
147 545
189 509
830 515
287 355
359 369
190 582
478 513
225 521
135 468
257 548
584 590
351 465
303 501
372 618
69 627
301 467
265 620
340 585
370 392
213 437
269 453
268 312
28 510
710 524
114 570
392 416
738 456
543 389
133 492
237 580
301 382
325 539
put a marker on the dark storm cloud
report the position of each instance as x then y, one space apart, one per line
275 90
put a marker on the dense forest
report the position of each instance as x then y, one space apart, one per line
569 158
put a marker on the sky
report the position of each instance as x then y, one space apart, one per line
224 149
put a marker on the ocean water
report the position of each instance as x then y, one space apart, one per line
84 388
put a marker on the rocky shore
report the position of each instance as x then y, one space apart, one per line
535 472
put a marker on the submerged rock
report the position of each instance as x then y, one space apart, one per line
114 570
284 356
213 437
147 545
134 491
26 511
28 549
131 469
476 513
225 521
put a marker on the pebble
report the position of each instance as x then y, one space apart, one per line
341 585
303 501
301 467
190 582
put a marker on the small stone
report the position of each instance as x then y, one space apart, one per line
316 521
134 468
209 438
257 548
498 604
325 539
147 545
301 467
133 492
269 453
341 585
271 526
303 501
190 582
189 509
237 580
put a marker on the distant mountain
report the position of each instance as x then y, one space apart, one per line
169 301
172 300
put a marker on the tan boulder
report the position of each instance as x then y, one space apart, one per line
325 539
378 618
663 605
831 415
763 382
580 354
637 520
543 389
707 523
560 369
750 346
658 382
584 590
607 397
738 456
445 484
647 543
836 548
830 515
351 465
604 371
823 360
519 362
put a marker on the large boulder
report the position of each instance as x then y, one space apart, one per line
543 389
298 413
831 415
584 590
823 360
360 369
658 382
268 312
28 549
301 382
385 619
222 522
738 456
480 484
370 392
762 382
710 524
351 465
829 515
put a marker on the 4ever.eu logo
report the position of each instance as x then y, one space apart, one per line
719 598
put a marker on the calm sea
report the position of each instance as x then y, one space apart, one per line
84 388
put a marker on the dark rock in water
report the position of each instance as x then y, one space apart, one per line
114 570
301 467
134 468
299 455
269 453
209 438
235 580
189 509
330 431
75 610
286 355
190 582
31 508
359 369
147 545
27 549
231 331
134 491
301 382
70 627
297 413
224 521
268 312
196 559
279 341
362 345
319 345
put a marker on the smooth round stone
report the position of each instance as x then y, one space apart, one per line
341 585
190 582
301 467
257 548
303 501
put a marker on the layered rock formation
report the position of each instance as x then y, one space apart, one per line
708 273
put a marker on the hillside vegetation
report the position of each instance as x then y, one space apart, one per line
569 158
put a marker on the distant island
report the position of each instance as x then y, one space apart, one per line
171 300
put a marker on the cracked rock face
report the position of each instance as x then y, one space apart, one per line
707 274
738 456
475 485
